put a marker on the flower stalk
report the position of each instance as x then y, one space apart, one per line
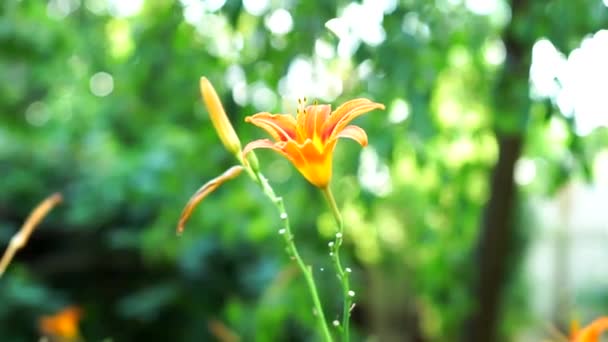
342 273
292 250
249 163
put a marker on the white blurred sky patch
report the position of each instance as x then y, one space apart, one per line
124 8
360 22
578 84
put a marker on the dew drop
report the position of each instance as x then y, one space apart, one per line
351 293
338 235
322 269
283 216
282 231
348 270
331 244
335 323
331 253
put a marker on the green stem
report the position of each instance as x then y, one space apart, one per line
285 231
334 248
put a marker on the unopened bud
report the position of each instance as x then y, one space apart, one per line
220 121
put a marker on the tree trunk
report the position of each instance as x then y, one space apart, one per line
497 228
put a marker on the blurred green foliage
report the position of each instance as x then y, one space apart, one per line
105 108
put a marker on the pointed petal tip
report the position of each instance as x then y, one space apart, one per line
203 192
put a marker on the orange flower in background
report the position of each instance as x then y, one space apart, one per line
63 325
309 139
590 333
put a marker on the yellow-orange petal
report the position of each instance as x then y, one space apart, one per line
281 127
316 165
275 146
593 331
203 191
355 133
344 114
315 117
342 110
63 324
218 116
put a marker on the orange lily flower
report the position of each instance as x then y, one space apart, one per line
62 325
590 333
309 139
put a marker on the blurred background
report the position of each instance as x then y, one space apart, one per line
475 214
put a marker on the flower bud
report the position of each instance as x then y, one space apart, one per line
220 121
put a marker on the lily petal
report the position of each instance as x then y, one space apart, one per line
203 191
281 127
315 165
293 156
592 332
314 120
62 325
355 133
346 113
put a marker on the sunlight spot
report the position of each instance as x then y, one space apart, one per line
374 175
459 56
101 84
37 114
546 64
122 8
348 46
482 7
338 27
525 171
194 11
324 49
312 79
359 23
97 7
279 22
415 27
558 131
494 52
365 69
119 37
256 7
262 97
240 93
585 81
234 75
577 85
299 77
365 22
214 5
400 111
385 6
459 152
600 167
390 228
59 9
